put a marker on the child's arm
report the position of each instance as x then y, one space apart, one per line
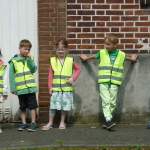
76 73
6 84
50 80
12 82
31 64
86 58
132 57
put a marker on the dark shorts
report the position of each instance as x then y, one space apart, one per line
27 101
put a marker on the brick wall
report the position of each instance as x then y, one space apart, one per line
88 21
52 26
85 23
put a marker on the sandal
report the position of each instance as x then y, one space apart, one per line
46 127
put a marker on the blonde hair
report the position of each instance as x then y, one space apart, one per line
112 38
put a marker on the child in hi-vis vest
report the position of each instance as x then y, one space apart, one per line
62 73
110 75
23 84
3 86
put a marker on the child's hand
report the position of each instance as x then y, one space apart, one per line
70 80
29 54
50 91
83 57
134 57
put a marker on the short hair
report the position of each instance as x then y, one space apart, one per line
112 38
25 43
63 41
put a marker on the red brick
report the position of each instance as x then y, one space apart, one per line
129 12
71 35
71 12
129 23
129 46
142 24
74 41
85 41
111 12
71 24
71 1
73 6
99 12
86 6
101 18
100 35
114 29
97 41
129 35
84 35
144 18
129 1
130 29
99 1
129 6
115 23
129 18
114 1
85 1
144 29
73 18
86 24
100 46
128 40
115 18
84 12
115 6
100 29
74 30
85 29
100 7
86 46
86 18
100 24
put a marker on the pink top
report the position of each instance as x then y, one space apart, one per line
76 73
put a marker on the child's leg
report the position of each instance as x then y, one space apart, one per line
23 117
113 96
33 115
49 125
105 97
62 121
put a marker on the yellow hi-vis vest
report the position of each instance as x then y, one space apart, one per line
2 73
112 73
23 77
61 74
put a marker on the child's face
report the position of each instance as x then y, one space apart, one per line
61 50
109 45
24 51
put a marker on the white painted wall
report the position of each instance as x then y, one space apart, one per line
18 20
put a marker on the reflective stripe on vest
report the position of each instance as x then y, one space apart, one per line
23 76
2 73
62 72
111 72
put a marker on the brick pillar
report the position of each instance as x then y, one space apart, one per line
51 27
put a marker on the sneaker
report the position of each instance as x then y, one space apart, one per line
22 127
104 125
32 127
110 125
148 125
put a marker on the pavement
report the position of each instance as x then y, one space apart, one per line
75 137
